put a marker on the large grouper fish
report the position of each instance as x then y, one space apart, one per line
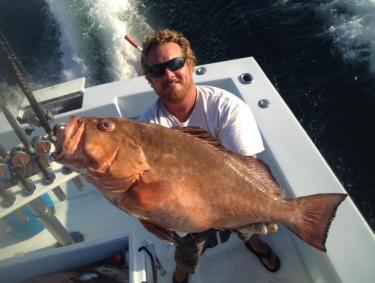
183 180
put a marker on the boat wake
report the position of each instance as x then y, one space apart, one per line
92 38
351 26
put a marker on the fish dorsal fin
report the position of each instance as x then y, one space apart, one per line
260 171
201 134
255 168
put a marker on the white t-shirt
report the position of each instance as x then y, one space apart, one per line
221 113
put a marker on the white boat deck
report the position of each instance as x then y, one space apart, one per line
294 160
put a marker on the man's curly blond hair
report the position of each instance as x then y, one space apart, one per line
165 36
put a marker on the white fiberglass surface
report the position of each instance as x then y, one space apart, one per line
293 159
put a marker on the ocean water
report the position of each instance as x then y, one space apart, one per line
318 54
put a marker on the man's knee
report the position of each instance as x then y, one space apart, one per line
188 258
190 248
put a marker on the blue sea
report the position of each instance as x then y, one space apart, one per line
318 54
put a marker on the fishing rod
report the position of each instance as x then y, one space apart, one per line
48 175
7 197
16 70
133 42
36 150
20 160
28 186
37 206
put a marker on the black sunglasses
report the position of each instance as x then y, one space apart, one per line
158 69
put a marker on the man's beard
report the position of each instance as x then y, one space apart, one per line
178 92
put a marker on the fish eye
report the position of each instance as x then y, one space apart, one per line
106 125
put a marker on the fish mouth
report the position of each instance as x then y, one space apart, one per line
69 138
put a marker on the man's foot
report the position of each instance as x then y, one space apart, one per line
180 275
265 254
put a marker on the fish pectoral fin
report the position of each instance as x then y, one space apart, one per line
152 195
158 231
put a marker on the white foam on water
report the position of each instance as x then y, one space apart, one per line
352 28
71 46
116 19
10 95
109 21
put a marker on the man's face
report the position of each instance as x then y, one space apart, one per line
172 86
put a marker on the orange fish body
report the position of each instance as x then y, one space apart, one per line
183 180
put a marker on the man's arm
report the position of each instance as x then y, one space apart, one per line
239 132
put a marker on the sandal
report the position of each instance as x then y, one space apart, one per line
267 256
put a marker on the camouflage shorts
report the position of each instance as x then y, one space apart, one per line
190 247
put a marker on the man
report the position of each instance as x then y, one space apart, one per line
168 63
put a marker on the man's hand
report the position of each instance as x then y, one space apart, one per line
264 228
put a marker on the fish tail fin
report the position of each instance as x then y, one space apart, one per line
314 216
